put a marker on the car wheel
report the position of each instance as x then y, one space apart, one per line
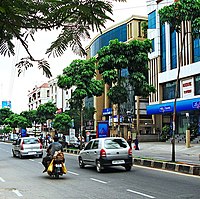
98 166
128 167
81 164
40 156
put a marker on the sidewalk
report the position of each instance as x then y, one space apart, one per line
162 151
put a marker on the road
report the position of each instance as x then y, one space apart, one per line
23 178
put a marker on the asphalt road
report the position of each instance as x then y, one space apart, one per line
23 178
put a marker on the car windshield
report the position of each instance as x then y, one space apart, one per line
115 143
30 141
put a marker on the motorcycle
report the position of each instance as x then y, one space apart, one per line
57 166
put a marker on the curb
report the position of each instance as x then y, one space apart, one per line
176 167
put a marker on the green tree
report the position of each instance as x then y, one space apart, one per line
31 116
17 121
182 11
81 74
132 56
4 113
46 112
62 122
175 14
73 19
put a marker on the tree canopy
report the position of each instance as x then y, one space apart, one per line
180 11
133 57
74 19
62 122
81 74
46 111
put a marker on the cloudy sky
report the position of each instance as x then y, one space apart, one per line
15 89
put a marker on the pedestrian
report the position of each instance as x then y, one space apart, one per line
129 141
136 144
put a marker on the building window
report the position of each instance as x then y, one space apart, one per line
47 93
173 55
119 33
196 55
163 48
152 20
169 90
38 95
131 30
139 29
153 45
197 84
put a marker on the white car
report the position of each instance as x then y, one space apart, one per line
104 152
27 146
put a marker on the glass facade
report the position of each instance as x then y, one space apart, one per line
197 84
152 20
196 44
169 90
163 48
173 49
153 45
119 33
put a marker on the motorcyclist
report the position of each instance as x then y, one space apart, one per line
52 148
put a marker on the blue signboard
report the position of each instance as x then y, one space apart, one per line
102 130
23 132
6 104
182 105
107 111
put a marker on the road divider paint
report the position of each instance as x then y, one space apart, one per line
103 182
73 173
139 193
17 192
2 180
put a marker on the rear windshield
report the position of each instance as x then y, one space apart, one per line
30 141
115 143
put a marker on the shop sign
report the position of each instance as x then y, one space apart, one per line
187 88
164 109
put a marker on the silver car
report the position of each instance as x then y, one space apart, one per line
104 152
27 146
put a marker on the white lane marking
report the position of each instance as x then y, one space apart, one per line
40 162
32 160
17 192
2 180
73 173
98 180
139 193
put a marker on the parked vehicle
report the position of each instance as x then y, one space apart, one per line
104 152
27 146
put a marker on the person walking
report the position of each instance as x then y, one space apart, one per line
136 144
129 141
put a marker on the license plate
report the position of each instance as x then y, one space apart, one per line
118 162
58 165
32 153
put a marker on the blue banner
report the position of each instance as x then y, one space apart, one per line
182 105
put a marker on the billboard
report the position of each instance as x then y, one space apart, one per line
102 129
6 104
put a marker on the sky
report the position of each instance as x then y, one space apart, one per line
15 89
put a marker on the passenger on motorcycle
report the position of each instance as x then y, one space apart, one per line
53 147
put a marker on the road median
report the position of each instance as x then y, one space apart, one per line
171 166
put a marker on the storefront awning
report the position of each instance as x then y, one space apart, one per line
182 105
